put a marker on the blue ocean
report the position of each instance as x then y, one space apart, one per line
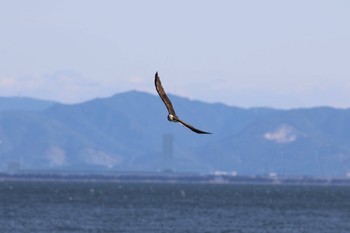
64 207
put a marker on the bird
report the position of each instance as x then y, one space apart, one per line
171 112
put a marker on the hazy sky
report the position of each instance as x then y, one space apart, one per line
273 53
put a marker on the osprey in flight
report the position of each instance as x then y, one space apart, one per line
172 115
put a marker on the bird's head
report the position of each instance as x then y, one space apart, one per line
171 117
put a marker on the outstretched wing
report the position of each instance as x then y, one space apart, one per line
163 95
192 128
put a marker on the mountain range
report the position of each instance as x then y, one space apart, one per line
130 132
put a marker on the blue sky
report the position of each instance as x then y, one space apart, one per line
273 53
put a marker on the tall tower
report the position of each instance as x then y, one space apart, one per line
167 152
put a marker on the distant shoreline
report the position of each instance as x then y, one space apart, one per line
170 177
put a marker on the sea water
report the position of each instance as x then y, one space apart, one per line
62 207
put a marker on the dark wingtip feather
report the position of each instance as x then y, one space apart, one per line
205 133
156 77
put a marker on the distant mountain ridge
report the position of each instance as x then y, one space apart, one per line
24 103
125 133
